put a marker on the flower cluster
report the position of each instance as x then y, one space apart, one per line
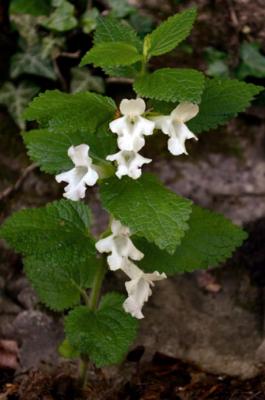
123 252
131 129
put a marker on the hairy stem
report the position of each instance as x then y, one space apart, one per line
96 288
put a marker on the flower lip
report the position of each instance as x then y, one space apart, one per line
132 107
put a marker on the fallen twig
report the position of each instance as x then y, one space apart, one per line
13 188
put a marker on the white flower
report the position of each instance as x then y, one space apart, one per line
174 126
82 175
120 246
132 127
129 163
138 288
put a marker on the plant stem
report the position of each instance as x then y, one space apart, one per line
96 288
84 364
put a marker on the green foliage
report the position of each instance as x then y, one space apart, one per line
253 62
49 149
116 54
58 249
31 62
89 20
148 208
32 7
104 335
217 63
67 351
17 98
79 112
120 8
221 101
82 80
171 84
112 30
210 240
62 19
171 32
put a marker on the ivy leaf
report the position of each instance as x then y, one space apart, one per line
32 7
171 84
171 32
120 8
104 335
113 30
79 112
89 20
49 149
210 240
222 100
62 19
104 55
58 249
17 98
148 208
82 80
31 62
253 62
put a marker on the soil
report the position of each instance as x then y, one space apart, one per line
214 346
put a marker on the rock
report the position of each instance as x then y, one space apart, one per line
221 332
40 336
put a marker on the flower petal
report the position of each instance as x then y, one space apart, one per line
184 112
79 155
132 107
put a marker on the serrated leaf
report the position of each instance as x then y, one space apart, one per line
17 98
62 19
171 84
222 100
118 54
58 249
67 351
113 30
32 63
171 32
32 7
79 112
104 335
148 208
49 149
82 80
210 240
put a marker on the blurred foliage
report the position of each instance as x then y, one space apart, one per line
251 62
44 57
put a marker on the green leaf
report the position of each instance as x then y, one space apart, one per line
221 101
31 62
17 98
171 32
58 249
89 20
32 7
171 85
253 62
210 240
148 208
120 8
104 55
49 149
104 335
67 351
79 112
82 80
113 30
62 19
